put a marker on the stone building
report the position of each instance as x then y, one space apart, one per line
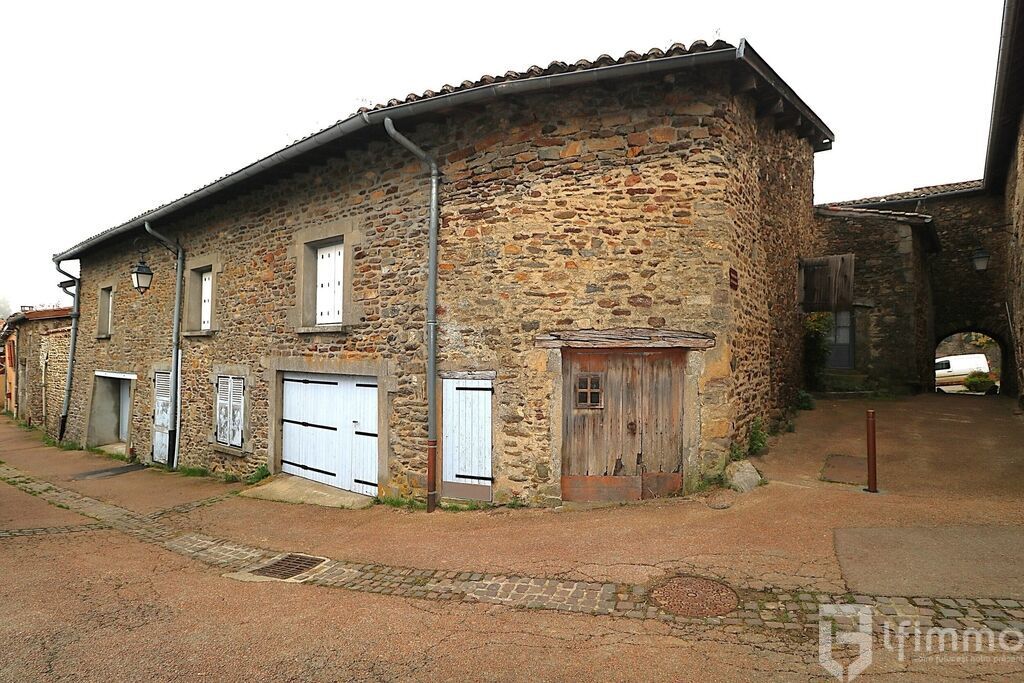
619 249
33 375
946 258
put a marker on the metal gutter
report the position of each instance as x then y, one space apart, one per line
1001 90
172 427
439 103
435 212
66 405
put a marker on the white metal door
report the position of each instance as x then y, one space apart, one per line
364 436
329 429
466 438
161 414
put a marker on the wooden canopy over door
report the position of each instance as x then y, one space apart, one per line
622 423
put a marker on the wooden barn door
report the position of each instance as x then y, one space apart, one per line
622 423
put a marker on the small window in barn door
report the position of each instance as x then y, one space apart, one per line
330 279
230 410
590 390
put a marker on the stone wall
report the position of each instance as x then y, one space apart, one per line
966 300
36 378
893 339
612 206
53 363
1014 198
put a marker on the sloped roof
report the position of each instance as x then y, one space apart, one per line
917 193
761 78
856 211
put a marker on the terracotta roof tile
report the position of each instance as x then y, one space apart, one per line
916 193
557 67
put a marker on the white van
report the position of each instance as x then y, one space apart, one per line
951 370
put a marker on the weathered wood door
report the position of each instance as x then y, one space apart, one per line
622 423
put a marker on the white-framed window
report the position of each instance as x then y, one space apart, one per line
330 283
106 311
230 410
206 301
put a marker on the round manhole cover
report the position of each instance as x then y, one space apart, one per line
690 596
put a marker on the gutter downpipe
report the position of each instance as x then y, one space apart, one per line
172 428
66 405
435 182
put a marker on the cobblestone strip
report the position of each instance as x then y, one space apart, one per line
769 609
51 530
185 508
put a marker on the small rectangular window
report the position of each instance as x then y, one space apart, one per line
942 365
589 391
330 278
206 301
106 311
230 410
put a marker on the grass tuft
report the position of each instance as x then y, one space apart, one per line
401 503
259 475
193 471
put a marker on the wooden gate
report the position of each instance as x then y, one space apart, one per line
622 423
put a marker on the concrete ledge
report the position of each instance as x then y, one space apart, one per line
285 488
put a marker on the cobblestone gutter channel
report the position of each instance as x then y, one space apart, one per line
794 612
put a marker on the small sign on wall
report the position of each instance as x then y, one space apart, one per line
734 279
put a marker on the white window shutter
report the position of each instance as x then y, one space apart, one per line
206 306
223 409
237 410
339 280
330 268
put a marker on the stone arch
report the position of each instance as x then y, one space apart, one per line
1008 370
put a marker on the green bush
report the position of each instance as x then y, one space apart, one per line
804 400
736 452
758 440
979 382
817 346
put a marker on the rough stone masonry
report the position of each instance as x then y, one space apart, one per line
623 205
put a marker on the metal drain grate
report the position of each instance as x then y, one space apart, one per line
289 566
690 596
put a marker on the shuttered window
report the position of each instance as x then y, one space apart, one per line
230 410
206 301
106 311
330 278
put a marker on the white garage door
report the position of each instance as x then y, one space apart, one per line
329 429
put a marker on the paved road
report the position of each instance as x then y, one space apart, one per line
124 578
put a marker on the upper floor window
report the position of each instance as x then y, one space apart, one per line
201 294
330 283
105 312
329 294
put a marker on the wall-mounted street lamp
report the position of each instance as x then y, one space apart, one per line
142 274
980 257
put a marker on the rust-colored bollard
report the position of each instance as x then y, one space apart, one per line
872 456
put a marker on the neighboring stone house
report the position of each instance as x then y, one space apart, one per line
619 251
885 340
974 275
33 377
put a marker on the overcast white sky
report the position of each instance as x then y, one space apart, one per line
110 109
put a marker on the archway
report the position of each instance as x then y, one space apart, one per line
973 362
